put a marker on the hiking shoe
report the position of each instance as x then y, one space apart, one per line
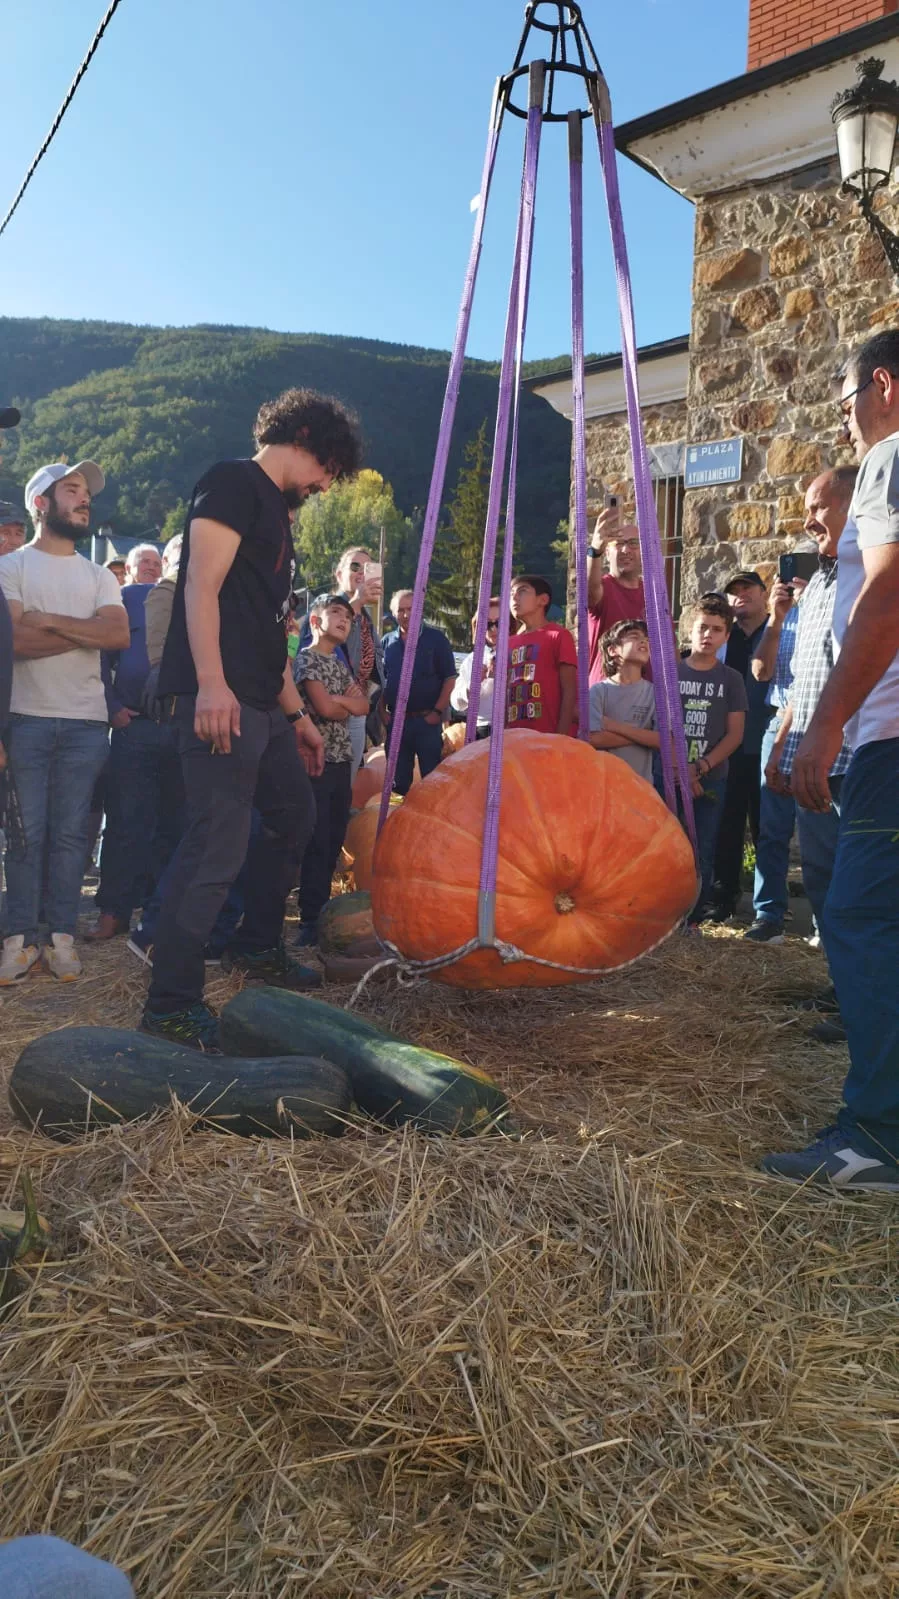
307 935
16 959
140 945
762 932
196 1027
723 915
272 966
829 1032
825 1002
61 959
833 1161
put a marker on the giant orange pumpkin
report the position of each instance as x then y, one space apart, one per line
593 868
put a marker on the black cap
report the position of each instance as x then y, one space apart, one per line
750 578
12 515
322 602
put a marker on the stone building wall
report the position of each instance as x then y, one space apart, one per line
787 280
609 448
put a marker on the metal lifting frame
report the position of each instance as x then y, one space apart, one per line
571 52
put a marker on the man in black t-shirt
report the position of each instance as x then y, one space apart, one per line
243 734
749 598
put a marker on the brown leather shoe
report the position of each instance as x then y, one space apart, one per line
107 926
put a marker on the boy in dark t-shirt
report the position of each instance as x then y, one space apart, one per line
714 701
327 686
244 736
542 688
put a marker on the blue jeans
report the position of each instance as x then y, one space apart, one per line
860 928
419 738
707 813
55 763
818 835
777 818
144 814
41 1567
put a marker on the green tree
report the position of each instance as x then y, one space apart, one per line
352 513
174 521
456 572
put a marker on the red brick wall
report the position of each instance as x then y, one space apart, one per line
778 27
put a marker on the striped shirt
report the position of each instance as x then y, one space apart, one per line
813 662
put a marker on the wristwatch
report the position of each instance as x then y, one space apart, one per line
294 716
592 553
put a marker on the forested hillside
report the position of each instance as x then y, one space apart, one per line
156 406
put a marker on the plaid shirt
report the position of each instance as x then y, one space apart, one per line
813 662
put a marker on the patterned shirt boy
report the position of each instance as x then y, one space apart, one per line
334 675
813 662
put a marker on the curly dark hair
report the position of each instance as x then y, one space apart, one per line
316 423
614 635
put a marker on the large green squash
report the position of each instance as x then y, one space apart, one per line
78 1078
393 1081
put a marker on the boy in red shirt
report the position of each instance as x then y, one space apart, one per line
542 691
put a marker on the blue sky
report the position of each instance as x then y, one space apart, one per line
309 166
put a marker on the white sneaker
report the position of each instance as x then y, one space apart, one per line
16 960
60 957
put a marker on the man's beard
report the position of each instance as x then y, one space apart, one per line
55 522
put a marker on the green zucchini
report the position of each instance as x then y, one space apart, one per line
393 1081
79 1078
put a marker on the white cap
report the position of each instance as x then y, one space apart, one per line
46 476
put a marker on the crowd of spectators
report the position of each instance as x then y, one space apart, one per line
223 739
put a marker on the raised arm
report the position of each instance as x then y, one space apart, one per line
765 658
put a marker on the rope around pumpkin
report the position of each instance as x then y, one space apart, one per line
409 972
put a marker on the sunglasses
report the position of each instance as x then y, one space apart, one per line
492 623
356 566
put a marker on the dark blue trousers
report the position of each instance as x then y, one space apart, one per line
861 935
144 814
422 739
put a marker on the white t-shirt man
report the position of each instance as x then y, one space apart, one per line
873 520
67 686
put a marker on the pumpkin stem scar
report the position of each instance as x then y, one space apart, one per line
564 904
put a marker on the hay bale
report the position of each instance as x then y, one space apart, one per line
607 1359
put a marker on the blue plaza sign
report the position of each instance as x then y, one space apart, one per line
720 461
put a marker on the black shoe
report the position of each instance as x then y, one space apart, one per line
763 932
196 1027
272 966
722 914
825 1002
829 1032
307 936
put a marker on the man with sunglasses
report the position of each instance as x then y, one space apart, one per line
861 695
462 692
616 595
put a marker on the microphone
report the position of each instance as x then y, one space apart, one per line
10 418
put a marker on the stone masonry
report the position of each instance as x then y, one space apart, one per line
787 280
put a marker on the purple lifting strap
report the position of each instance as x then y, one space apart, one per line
438 474
658 614
579 530
524 247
